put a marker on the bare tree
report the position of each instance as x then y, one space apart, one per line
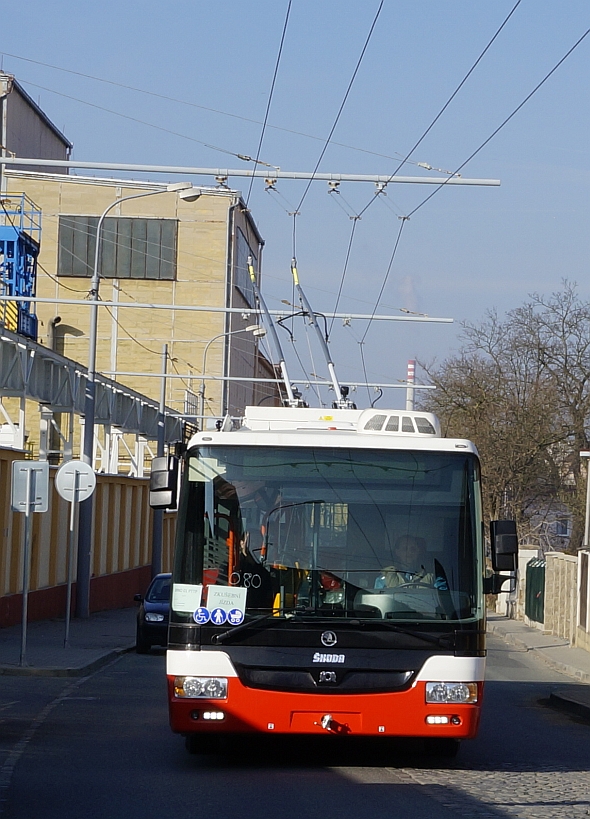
557 331
520 389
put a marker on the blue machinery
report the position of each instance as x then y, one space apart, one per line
20 238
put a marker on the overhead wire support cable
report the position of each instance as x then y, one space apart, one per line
211 110
243 157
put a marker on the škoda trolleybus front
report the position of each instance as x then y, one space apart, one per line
328 577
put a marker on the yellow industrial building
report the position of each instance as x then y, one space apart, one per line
156 249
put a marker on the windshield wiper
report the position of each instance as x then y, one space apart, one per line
443 642
219 638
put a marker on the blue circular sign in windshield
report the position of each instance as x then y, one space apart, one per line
235 617
218 617
201 616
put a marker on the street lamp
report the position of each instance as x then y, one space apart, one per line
187 192
255 329
585 453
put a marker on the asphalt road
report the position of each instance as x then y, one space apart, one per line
101 747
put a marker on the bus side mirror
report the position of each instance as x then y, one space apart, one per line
493 583
163 482
504 543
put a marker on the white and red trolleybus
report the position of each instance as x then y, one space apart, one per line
329 577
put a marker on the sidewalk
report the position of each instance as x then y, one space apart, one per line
557 653
93 642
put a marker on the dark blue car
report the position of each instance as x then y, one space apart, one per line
153 614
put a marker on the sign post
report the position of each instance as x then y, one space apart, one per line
74 481
29 493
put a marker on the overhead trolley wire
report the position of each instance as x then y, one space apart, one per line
407 157
469 158
404 219
340 110
504 122
270 96
444 108
347 259
324 149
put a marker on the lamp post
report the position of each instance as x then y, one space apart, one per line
255 329
158 514
585 453
186 191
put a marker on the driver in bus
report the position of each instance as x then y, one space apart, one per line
412 566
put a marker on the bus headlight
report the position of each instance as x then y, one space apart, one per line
210 688
451 692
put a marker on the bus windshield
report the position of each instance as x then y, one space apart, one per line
334 532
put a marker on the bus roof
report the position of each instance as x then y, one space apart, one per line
350 428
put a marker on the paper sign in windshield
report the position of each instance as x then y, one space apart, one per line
186 597
227 599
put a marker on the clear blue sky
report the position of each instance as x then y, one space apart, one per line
467 250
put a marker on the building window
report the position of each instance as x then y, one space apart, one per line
561 527
130 249
242 278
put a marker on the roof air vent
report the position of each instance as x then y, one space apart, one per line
392 422
375 424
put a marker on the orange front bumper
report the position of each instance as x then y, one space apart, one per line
248 710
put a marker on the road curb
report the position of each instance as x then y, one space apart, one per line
572 703
541 652
78 671
510 637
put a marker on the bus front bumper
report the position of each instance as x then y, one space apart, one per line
248 710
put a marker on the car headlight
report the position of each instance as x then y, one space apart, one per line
210 688
152 617
451 692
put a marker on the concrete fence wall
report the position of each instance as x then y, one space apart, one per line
560 595
567 596
121 548
583 611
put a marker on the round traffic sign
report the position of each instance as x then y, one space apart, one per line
75 481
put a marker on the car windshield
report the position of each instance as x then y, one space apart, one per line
159 591
339 533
